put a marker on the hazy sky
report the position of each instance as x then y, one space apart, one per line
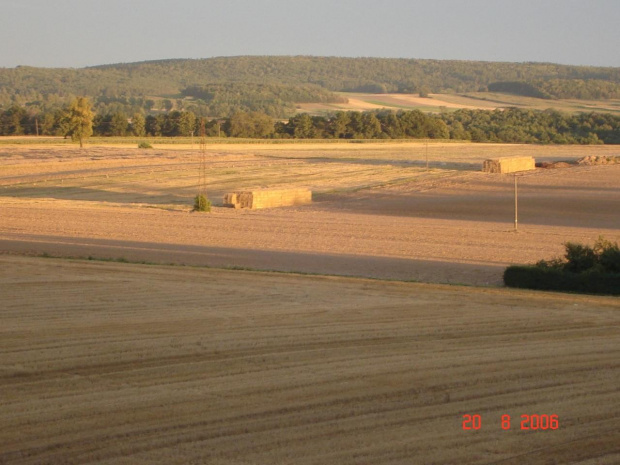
77 33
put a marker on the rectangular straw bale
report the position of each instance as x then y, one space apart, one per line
231 200
508 164
268 198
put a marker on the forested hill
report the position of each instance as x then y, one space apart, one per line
360 74
273 84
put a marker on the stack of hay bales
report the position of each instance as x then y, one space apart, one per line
509 164
599 160
268 198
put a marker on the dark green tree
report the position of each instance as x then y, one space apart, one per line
303 127
119 124
186 123
138 125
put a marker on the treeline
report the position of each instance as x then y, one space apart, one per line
560 89
16 121
273 85
531 126
511 125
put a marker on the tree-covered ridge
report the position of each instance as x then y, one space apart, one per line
351 74
132 87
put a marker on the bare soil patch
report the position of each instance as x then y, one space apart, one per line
115 363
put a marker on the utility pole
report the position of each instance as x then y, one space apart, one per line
426 155
202 181
516 205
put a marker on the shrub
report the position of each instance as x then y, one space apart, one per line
552 279
608 255
144 145
583 268
603 255
201 203
579 257
610 260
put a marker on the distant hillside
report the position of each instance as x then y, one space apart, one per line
273 85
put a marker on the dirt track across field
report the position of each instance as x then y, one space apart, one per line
113 363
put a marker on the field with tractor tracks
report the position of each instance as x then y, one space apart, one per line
332 356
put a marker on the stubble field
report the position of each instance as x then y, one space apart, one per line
120 363
126 363
377 212
447 102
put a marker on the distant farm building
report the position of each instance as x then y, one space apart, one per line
508 164
268 198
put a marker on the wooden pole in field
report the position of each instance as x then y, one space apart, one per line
516 206
202 180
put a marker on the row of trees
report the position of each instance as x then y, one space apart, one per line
530 126
511 125
18 121
366 125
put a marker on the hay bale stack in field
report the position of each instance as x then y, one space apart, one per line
508 164
268 198
600 160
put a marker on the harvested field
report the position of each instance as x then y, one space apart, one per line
366 102
377 211
118 363
500 100
471 100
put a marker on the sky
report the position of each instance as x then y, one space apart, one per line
79 33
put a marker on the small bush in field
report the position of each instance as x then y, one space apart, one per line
202 203
144 145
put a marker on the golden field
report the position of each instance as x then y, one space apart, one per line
120 363
107 362
377 211
436 103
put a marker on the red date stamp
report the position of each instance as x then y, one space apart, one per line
533 422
